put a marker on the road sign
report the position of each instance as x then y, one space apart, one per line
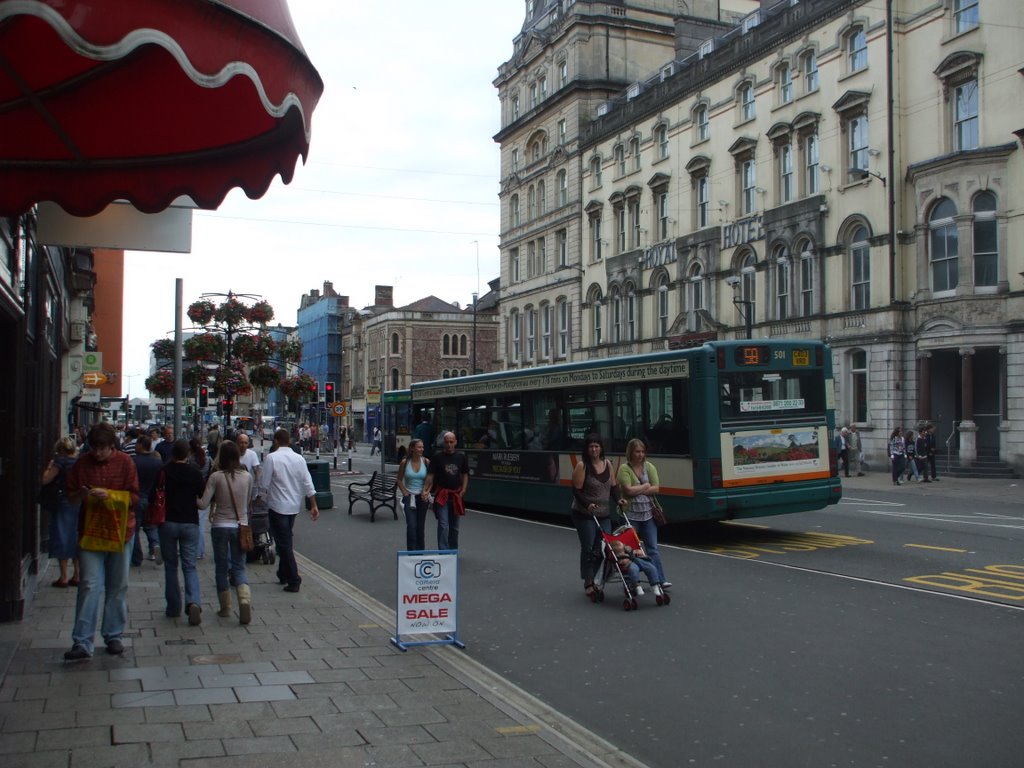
94 379
339 408
90 396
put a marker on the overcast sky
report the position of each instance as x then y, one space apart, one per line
402 175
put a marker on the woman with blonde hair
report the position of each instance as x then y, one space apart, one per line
638 479
63 543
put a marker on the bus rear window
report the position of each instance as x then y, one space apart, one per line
751 396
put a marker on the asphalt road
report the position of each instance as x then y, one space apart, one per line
885 631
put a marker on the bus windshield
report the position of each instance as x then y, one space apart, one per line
746 396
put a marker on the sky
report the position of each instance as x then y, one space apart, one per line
400 186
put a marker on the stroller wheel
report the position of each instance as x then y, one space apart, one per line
666 599
660 599
635 606
627 604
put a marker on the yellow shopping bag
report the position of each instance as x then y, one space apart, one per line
106 522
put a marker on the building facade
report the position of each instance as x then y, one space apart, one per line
832 169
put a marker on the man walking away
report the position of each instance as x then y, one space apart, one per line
283 484
148 465
853 450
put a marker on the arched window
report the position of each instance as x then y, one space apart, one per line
986 242
513 321
661 138
784 77
860 266
446 348
596 316
394 343
781 261
562 180
444 374
542 198
620 160
462 345
630 319
634 151
531 204
663 294
809 66
745 100
695 295
514 205
595 172
803 252
943 246
702 123
748 275
616 309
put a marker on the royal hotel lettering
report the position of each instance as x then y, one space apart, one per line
743 231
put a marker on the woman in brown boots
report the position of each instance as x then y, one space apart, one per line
229 489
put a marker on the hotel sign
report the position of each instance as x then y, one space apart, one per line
659 255
743 231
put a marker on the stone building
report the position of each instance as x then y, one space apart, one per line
766 187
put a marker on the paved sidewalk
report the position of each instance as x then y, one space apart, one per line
1008 490
312 681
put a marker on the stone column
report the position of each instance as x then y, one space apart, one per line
968 429
924 388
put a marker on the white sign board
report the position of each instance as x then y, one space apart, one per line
89 395
427 596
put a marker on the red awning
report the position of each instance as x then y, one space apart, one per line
148 100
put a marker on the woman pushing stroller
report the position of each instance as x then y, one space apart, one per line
593 484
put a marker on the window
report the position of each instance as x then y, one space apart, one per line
562 246
631 315
462 346
634 221
703 123
513 321
943 246
786 173
810 67
811 164
806 281
543 87
595 171
781 284
542 198
446 345
596 312
545 331
663 215
563 73
394 343
965 15
620 160
695 294
748 286
562 181
857 130
663 291
563 327
542 256
745 96
965 116
986 244
531 204
561 132
620 229
531 334
514 260
515 160
616 317
860 262
859 385
515 107
515 210
661 137
634 151
534 95
595 236
748 177
703 200
857 50
531 259
785 84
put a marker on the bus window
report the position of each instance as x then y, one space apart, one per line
628 422
446 421
545 423
771 395
667 419
589 412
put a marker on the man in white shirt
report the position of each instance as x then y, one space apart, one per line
284 482
250 459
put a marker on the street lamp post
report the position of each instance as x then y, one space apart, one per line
745 305
475 297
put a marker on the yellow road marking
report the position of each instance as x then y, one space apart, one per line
517 730
940 549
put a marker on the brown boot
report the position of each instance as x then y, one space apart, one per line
244 603
225 603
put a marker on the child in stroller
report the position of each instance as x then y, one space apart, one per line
263 543
624 555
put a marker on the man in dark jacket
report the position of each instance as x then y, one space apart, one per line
149 466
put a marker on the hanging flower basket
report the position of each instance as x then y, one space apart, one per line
261 313
195 376
290 350
205 346
163 349
201 312
232 379
253 348
161 384
301 387
264 377
232 313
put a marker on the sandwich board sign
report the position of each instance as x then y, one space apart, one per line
427 598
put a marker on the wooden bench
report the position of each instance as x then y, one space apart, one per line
379 491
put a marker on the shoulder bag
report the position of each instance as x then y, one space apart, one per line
156 512
245 541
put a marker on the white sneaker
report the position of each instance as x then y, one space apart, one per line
666 584
658 591
639 591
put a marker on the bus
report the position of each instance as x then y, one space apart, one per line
737 429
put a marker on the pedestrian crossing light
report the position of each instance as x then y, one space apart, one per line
204 397
329 392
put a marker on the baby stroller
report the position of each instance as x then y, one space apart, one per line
263 543
626 536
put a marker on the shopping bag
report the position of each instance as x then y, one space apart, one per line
156 514
106 522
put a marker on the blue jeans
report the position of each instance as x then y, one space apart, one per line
107 573
638 565
204 515
152 532
415 523
447 526
228 558
647 530
178 542
591 555
281 529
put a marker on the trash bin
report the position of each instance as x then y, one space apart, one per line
320 471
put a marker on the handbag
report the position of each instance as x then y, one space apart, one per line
245 540
156 513
106 522
657 512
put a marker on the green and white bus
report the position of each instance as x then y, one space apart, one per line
736 429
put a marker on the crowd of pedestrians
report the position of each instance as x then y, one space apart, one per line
115 498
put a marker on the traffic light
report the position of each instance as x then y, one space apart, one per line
204 397
227 404
329 392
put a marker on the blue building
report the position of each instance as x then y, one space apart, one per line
320 319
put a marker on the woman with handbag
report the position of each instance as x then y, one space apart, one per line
229 488
638 479
63 543
593 487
